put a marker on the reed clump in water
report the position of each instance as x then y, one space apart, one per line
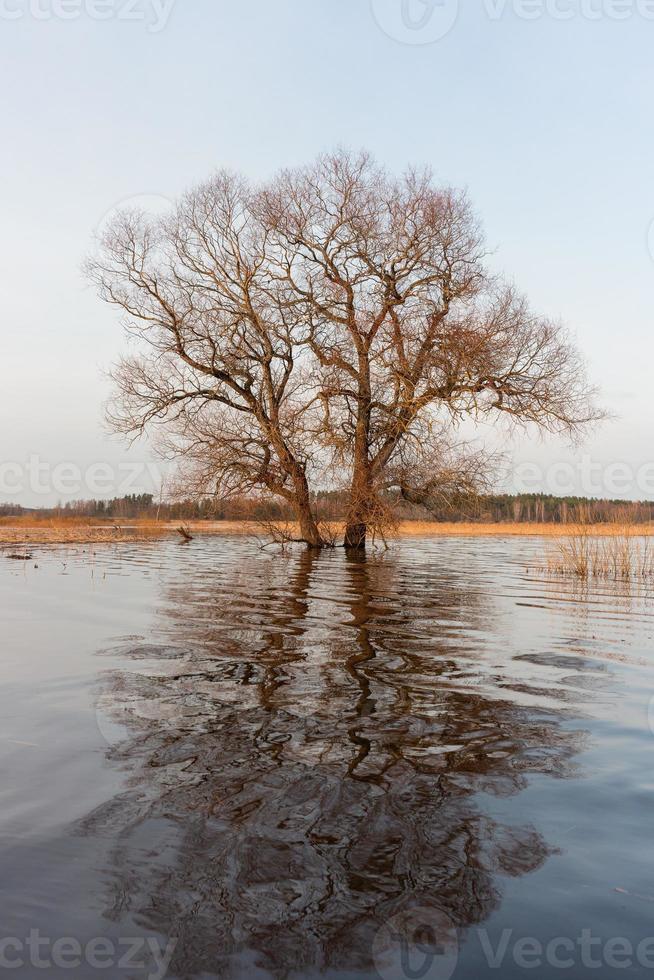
625 555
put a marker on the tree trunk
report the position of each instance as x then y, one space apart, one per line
301 503
309 531
358 515
361 493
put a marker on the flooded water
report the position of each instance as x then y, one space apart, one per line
222 762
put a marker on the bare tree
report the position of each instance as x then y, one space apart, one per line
336 316
408 327
219 369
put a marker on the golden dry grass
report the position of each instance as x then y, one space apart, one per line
73 534
471 529
29 530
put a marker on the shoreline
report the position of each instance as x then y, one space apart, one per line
73 533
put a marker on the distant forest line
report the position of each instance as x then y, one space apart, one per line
492 508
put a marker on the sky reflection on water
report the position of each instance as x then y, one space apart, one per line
292 751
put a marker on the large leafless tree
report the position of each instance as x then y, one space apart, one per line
334 317
409 328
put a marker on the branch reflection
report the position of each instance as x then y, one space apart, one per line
307 745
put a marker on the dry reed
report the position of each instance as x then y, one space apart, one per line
624 555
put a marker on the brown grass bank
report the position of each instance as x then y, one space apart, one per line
30 531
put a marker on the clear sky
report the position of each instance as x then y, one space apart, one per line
542 110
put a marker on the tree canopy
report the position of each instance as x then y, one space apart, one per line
329 327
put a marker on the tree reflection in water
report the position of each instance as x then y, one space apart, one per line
306 760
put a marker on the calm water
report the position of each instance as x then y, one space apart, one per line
305 765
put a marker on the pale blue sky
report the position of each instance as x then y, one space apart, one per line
547 122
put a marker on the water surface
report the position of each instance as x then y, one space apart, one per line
281 762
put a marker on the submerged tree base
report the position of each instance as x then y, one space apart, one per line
356 536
